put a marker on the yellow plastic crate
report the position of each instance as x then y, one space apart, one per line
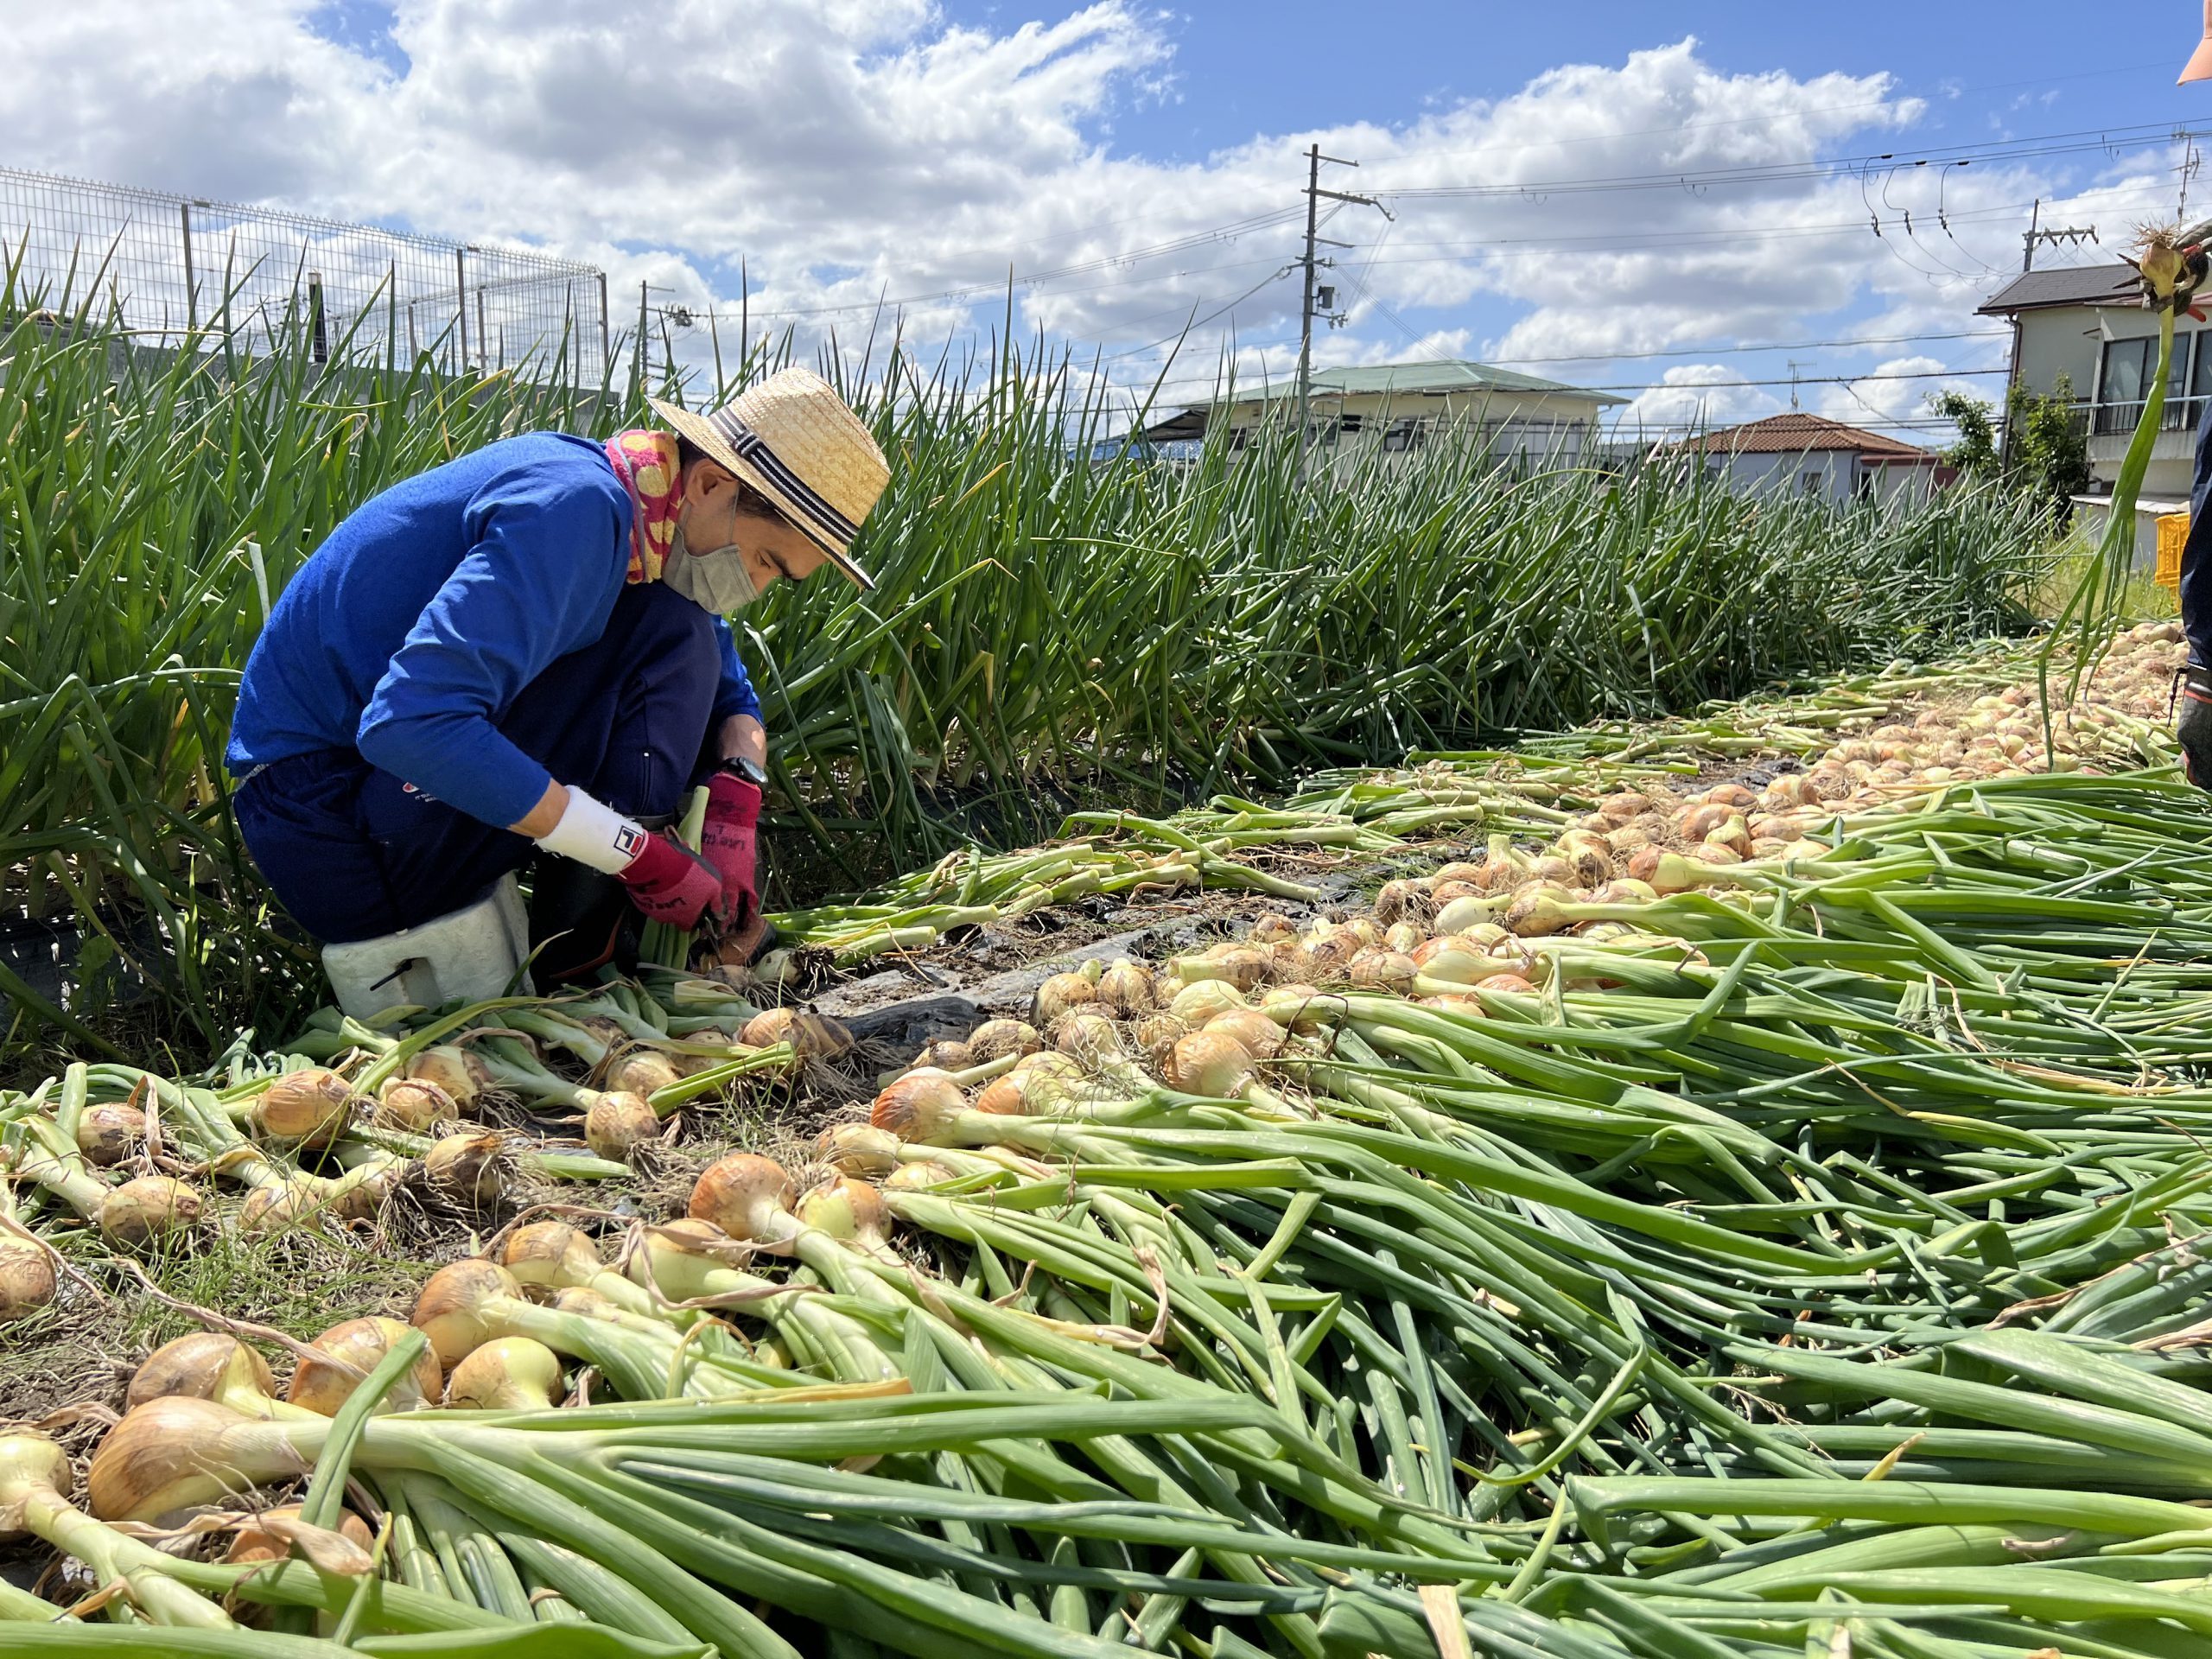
2173 535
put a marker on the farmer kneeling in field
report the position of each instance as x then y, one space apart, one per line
522 655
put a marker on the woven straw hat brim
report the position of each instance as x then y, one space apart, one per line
697 430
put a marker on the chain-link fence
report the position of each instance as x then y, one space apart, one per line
173 264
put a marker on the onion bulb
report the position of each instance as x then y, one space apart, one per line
1126 989
471 1168
919 1178
766 1028
208 1365
147 1208
465 1078
1404 937
1089 1039
254 1542
302 1109
946 1055
29 1463
280 1206
506 1374
1402 901
1463 913
1663 871
1459 960
322 1388
749 1197
641 1072
994 1039
1157 1033
1381 968
1302 1008
1200 1002
617 1124
1061 992
1513 983
918 1106
177 1452
109 1133
858 1149
414 1105
27 1281
547 1255
1210 1063
1038 1084
847 1209
452 1309
1260 1036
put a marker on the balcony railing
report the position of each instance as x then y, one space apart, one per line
2120 420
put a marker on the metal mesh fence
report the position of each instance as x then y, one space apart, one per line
172 264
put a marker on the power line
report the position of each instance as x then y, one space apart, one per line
1834 166
1787 114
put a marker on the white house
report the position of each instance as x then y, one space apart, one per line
1400 408
1806 454
2083 322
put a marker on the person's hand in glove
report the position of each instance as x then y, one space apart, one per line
730 839
2195 727
666 880
668 883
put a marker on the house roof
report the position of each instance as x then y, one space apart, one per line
1419 379
2032 290
1795 434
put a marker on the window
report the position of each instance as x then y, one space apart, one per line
1810 482
2124 380
1407 433
1350 424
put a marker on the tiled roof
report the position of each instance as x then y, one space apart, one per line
1795 434
1415 379
2112 284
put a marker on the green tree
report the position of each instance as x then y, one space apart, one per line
1974 454
2046 454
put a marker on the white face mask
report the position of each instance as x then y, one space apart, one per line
717 580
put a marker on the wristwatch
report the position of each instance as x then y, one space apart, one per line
738 766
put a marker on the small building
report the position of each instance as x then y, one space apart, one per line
1807 454
1402 409
2084 323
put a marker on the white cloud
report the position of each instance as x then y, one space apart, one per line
846 149
1694 398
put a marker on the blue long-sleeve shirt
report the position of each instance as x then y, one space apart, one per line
413 627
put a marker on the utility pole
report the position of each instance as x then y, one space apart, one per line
2032 237
1314 194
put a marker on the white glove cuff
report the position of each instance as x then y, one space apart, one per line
595 835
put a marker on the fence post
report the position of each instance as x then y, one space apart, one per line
460 303
319 342
191 280
483 334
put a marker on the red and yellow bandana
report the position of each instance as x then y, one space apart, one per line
646 462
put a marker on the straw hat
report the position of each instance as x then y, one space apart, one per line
2199 67
792 438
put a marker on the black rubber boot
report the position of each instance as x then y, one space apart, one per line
580 920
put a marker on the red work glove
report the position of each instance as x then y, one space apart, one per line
730 839
668 883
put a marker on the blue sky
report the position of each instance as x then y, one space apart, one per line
1136 168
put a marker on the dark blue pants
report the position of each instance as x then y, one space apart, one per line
355 853
2195 586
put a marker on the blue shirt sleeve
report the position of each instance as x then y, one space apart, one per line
539 581
736 695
